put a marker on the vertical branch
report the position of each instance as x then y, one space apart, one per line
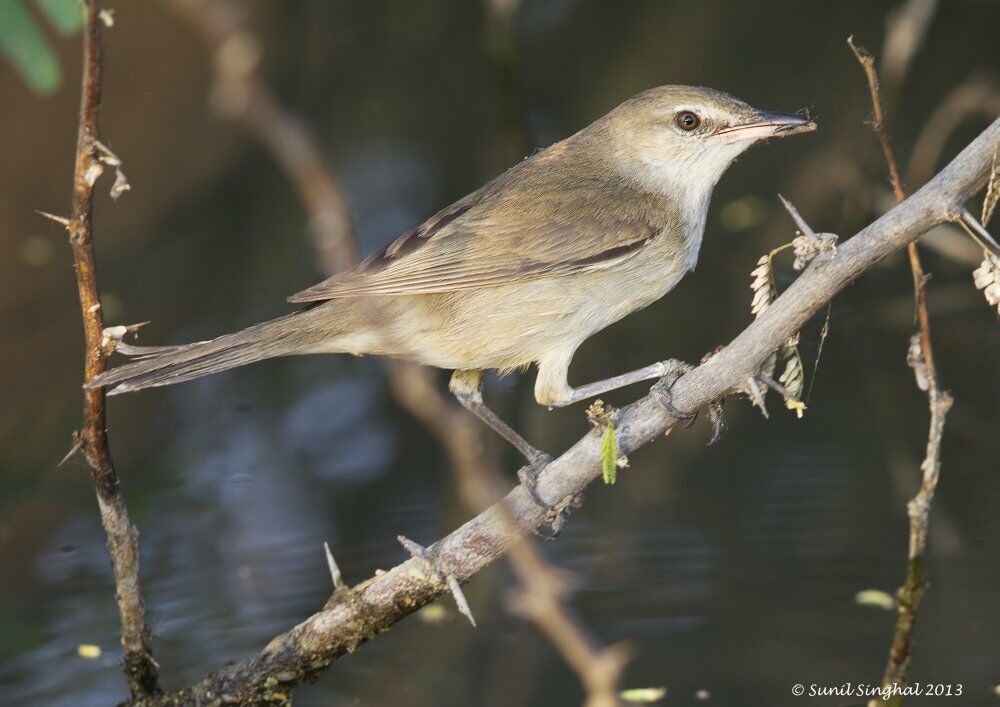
123 537
921 358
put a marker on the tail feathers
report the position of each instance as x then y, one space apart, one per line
165 365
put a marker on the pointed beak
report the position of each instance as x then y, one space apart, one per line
765 124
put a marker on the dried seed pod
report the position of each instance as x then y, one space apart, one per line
987 278
762 286
915 360
793 377
992 192
808 246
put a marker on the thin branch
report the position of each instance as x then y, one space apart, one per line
939 402
123 538
977 232
905 31
975 97
240 94
374 605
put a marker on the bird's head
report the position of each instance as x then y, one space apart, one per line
685 136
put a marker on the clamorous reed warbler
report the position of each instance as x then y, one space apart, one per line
523 270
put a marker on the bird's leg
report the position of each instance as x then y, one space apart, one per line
554 391
660 369
467 387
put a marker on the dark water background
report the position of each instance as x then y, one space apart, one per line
730 569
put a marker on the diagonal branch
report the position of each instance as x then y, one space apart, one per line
241 95
123 538
374 605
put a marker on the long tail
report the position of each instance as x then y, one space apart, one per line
165 365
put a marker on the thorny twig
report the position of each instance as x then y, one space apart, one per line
141 670
922 361
246 98
374 605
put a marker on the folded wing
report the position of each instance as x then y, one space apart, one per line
524 225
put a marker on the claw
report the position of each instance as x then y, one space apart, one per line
528 476
557 512
557 517
717 420
661 390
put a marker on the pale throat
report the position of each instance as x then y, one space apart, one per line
692 196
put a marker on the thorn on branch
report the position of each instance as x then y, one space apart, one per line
433 563
335 575
977 232
757 395
78 443
61 220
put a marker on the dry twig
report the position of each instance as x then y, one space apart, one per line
921 359
975 97
123 538
905 30
241 95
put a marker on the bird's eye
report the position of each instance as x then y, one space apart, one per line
686 120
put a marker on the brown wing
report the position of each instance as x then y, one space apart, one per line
524 225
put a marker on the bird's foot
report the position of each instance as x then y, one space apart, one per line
528 476
555 512
556 518
662 392
431 559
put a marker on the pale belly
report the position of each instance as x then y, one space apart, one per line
511 326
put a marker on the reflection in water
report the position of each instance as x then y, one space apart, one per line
730 569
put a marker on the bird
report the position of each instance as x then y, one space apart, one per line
522 271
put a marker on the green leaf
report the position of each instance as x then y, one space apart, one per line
609 452
876 598
23 44
65 15
643 695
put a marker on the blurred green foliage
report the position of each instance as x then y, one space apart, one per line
23 43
